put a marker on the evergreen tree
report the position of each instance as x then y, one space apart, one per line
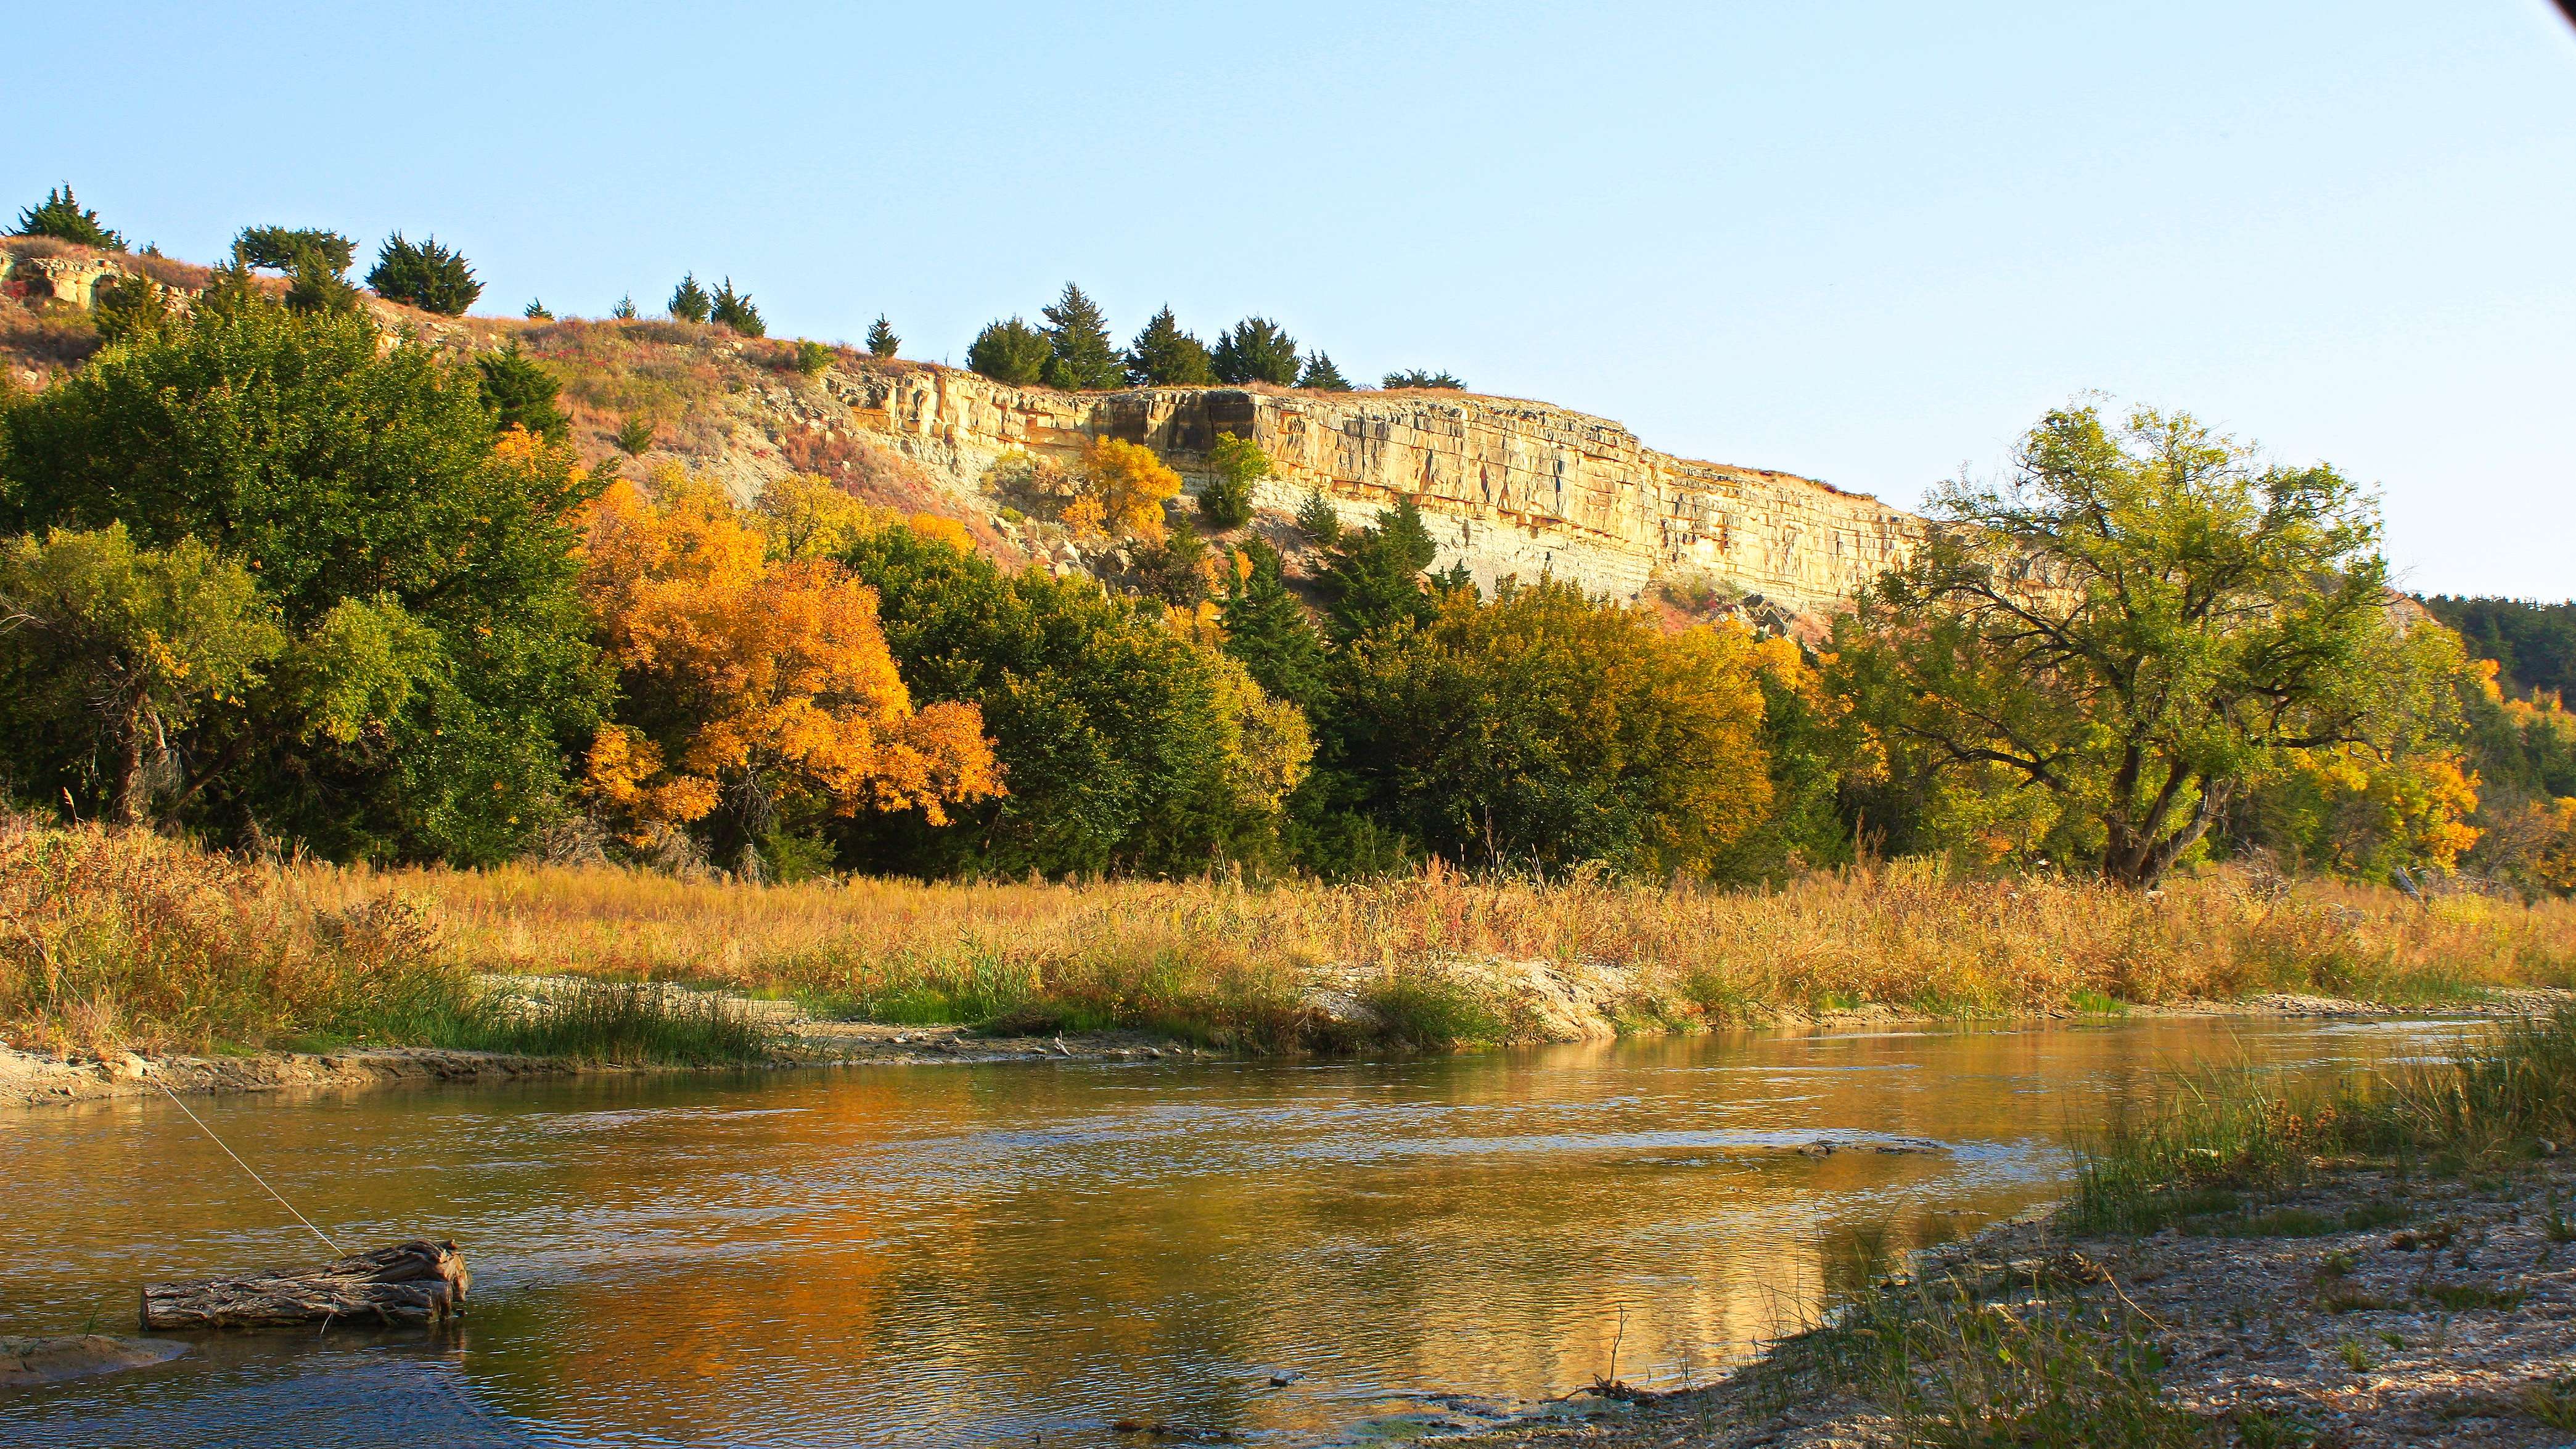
129 307
428 276
733 309
1321 376
521 393
317 286
881 339
1416 377
1165 356
624 311
1271 632
1257 350
276 248
1080 356
1375 579
689 302
538 311
60 216
1012 353
1317 520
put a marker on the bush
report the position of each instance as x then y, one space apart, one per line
428 276
61 217
635 435
1011 353
279 248
810 358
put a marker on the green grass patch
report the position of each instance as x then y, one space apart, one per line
607 1023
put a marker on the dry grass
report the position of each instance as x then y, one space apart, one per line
1234 960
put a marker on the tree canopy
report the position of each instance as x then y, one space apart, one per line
882 342
1320 375
1080 356
1165 356
1256 350
62 217
428 276
1010 352
689 300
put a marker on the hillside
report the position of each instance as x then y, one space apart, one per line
1506 486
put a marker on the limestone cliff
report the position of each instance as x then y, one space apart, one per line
1508 487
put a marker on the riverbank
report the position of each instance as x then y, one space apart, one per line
2387 1262
122 943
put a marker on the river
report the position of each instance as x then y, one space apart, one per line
1024 1253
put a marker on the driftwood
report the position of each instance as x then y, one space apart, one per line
418 1282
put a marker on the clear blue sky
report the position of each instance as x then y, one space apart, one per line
1866 242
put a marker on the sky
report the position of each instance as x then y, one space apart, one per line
1867 242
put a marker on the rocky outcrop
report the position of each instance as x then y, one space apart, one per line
1508 487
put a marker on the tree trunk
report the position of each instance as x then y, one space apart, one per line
418 1282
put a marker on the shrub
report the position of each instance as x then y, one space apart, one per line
733 309
428 276
689 301
810 358
634 435
1011 353
1257 350
279 248
61 217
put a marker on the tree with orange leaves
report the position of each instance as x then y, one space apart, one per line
754 688
1121 491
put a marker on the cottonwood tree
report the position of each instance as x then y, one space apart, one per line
2134 624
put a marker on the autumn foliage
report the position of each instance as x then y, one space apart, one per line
754 684
1121 491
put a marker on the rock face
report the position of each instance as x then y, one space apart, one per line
1507 487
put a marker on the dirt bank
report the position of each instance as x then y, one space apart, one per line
2363 1310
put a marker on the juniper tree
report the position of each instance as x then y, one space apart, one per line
1375 579
1321 376
733 309
1080 356
1165 356
129 307
624 311
61 217
277 248
1317 520
521 393
1272 634
316 286
538 311
689 302
428 276
1011 352
1256 350
881 339
1417 377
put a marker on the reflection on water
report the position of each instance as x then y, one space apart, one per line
955 1255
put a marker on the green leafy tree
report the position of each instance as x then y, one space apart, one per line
1416 377
1549 730
1126 748
881 339
1256 350
133 643
314 285
1320 375
2132 628
1165 356
810 358
280 248
1273 635
521 393
2533 644
733 309
429 276
1080 356
1238 463
61 217
129 307
1011 353
1317 520
689 301
1374 582
360 485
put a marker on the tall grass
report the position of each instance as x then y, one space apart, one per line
122 939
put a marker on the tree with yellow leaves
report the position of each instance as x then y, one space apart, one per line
1121 491
753 687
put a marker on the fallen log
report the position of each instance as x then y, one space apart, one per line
416 1283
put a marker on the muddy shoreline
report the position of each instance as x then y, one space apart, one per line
35 1079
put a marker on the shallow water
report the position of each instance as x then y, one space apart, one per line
979 1254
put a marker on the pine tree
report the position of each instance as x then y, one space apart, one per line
60 216
520 393
881 339
1321 376
1257 350
1012 353
1317 520
624 311
537 311
1271 633
733 309
1080 356
689 300
1165 356
428 276
1375 579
